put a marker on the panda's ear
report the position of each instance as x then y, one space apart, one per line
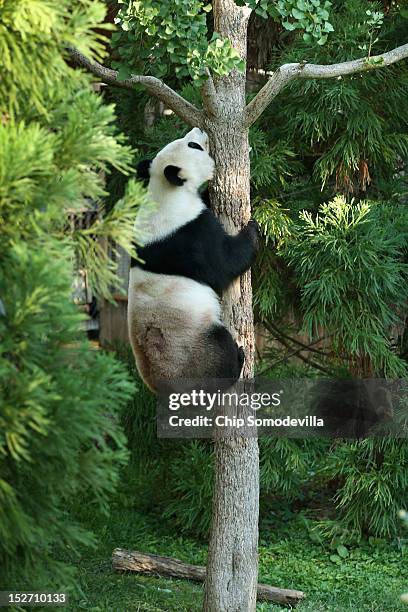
142 169
172 175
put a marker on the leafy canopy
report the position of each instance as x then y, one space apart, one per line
310 16
158 35
167 38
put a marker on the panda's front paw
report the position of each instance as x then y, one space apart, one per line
254 231
254 223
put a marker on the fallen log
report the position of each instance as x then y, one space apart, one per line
133 561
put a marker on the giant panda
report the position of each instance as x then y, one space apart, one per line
187 260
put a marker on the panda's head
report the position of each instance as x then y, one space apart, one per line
182 163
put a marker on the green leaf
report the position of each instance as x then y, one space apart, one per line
288 25
315 536
207 8
342 551
261 12
299 15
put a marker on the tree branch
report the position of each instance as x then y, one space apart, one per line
209 95
280 337
296 341
289 72
184 109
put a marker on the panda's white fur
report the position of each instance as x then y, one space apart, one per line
174 321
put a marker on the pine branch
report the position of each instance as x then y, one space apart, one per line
271 326
289 72
294 353
184 109
281 338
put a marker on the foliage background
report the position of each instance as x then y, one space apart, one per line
59 398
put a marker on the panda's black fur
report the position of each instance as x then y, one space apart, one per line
203 251
186 262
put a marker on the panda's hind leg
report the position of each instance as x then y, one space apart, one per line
227 357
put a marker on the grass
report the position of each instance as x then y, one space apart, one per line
370 578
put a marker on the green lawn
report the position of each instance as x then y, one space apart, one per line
368 579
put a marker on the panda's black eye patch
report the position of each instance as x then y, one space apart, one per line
195 145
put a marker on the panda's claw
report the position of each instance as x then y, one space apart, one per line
253 223
241 357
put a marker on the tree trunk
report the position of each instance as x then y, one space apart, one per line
232 567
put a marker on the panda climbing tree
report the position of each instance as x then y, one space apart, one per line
187 260
177 32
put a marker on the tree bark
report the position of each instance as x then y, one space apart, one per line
232 567
144 563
